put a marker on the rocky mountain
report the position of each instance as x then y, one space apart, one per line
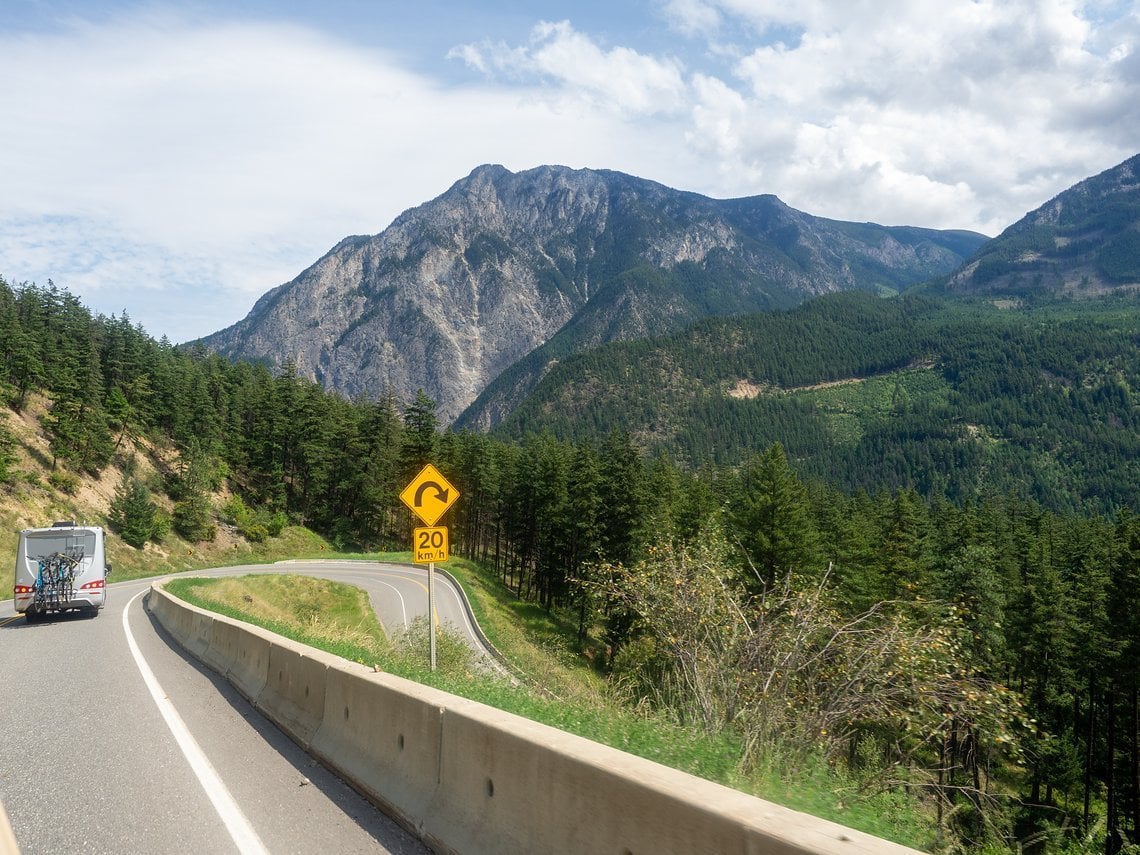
1084 242
513 270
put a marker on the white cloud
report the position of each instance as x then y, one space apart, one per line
159 154
942 113
693 17
619 79
162 156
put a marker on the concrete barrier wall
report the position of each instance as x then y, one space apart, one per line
383 733
8 844
294 695
471 779
242 654
191 626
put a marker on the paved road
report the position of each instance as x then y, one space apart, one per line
94 760
398 592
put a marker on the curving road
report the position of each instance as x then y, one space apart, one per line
398 593
112 740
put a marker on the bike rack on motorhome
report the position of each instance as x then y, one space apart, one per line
60 568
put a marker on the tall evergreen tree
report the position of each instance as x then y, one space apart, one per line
623 499
772 518
584 510
132 512
903 561
418 446
191 485
1125 699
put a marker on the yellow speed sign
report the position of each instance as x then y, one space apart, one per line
429 545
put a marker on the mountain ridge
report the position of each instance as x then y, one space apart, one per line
1083 242
477 281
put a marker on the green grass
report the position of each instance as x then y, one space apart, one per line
543 645
817 789
850 406
326 612
582 706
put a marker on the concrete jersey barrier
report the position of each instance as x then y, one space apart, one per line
7 838
468 778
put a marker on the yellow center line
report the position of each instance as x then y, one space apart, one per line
406 578
414 581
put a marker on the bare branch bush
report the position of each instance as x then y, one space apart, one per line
794 675
689 632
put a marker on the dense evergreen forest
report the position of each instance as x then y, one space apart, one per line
950 399
977 648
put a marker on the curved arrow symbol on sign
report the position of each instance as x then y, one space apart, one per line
441 493
429 495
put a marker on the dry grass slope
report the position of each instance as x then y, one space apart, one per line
39 494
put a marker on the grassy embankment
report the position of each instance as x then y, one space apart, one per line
564 692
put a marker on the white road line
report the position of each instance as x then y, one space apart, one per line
403 605
246 839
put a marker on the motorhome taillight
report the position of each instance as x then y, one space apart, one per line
24 589
98 583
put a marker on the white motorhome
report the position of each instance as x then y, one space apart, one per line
60 568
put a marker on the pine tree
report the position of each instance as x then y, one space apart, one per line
1092 550
193 513
971 580
622 498
583 517
772 518
1124 700
132 513
1044 624
194 518
419 437
904 556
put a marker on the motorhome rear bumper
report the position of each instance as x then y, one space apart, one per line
82 600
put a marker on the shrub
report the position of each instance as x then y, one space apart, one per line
194 520
65 482
254 525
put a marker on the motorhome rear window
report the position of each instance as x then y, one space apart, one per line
40 544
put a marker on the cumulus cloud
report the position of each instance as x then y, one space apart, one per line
964 113
163 154
693 17
620 79
153 159
945 113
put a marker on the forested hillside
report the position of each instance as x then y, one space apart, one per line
1083 242
974 653
955 400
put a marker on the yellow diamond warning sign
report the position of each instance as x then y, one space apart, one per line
429 495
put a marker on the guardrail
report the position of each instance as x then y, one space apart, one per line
506 664
468 778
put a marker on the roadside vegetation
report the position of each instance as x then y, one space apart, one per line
910 573
337 618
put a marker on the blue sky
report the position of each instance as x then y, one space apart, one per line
177 160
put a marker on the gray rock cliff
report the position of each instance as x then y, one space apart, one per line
506 266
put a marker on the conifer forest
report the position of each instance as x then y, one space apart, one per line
940 598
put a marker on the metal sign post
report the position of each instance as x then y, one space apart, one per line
431 614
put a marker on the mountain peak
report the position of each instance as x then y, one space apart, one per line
1083 242
506 270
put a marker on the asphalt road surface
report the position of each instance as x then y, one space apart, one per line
113 740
